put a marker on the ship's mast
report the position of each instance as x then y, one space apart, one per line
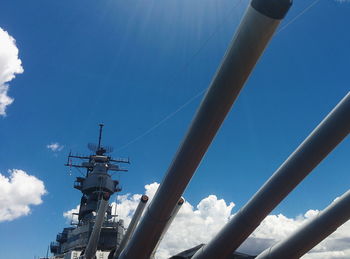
100 136
98 182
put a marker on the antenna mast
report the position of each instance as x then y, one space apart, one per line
100 136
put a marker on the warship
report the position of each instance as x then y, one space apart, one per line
96 227
98 234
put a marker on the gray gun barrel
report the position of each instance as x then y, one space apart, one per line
327 135
90 251
133 223
173 216
249 41
308 236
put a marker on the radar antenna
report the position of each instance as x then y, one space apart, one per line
98 148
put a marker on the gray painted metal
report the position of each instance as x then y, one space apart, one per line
276 9
90 251
173 215
133 223
99 179
250 40
308 236
327 135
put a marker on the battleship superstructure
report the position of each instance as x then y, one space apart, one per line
97 186
98 236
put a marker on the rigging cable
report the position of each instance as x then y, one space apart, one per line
185 66
298 16
204 90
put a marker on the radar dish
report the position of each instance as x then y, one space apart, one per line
109 149
93 147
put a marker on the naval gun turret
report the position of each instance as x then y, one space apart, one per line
96 228
257 27
144 234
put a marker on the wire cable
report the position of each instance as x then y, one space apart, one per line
204 90
185 66
298 16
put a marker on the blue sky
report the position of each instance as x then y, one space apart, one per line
129 64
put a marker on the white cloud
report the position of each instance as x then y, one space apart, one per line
10 65
125 207
126 204
195 225
18 191
71 216
55 147
199 224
